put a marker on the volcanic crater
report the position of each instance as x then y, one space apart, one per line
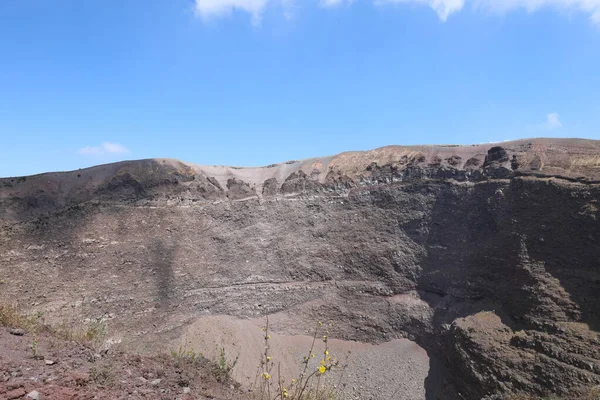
439 272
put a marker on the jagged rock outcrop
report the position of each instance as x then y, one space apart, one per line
486 255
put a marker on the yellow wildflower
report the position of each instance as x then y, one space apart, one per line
312 355
322 369
268 358
266 375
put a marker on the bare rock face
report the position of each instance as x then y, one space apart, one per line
238 189
497 163
270 187
487 256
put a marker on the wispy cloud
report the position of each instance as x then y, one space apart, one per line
104 148
553 121
590 7
211 8
443 8
333 3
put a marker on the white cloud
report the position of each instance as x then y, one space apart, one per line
90 151
553 121
212 8
288 7
333 3
589 7
104 148
444 8
114 148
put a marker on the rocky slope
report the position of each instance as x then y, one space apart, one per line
487 256
66 370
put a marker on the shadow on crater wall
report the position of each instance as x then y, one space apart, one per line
494 247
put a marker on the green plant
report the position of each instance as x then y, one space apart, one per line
222 366
308 385
188 355
35 349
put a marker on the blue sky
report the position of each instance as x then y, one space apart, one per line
252 82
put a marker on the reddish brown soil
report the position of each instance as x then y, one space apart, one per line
68 370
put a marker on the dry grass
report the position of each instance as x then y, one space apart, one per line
11 317
102 374
589 161
91 334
